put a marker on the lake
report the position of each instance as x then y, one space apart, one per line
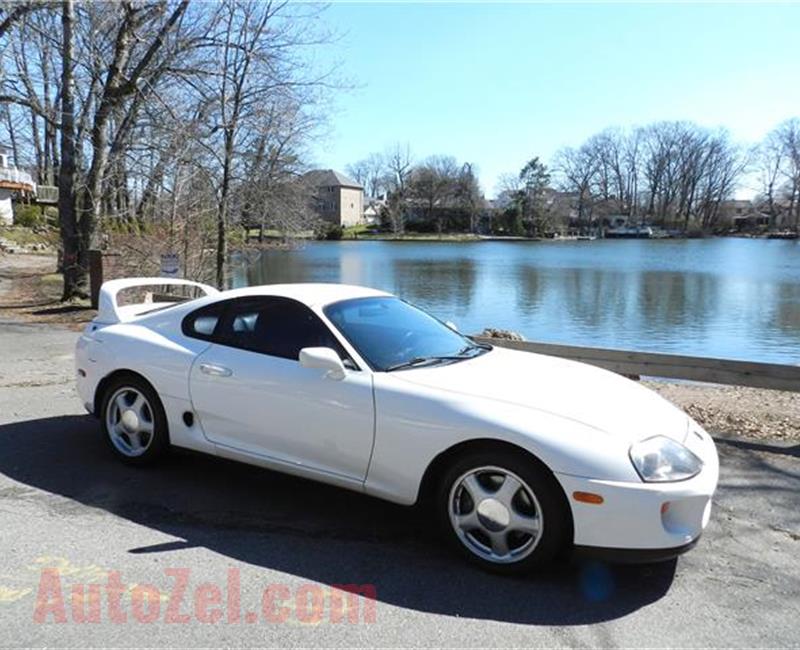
723 297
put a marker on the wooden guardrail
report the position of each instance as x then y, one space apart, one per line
716 371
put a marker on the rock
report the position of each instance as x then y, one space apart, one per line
492 333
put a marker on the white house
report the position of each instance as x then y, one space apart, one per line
12 181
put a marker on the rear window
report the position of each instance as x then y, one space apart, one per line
275 326
202 324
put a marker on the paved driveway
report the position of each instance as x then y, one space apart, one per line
232 532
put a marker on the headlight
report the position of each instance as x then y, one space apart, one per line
661 459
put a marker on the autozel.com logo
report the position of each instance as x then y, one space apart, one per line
117 602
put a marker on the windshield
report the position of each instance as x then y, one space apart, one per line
393 335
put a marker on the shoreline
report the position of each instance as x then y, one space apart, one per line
269 242
565 238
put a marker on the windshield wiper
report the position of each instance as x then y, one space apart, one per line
466 352
419 361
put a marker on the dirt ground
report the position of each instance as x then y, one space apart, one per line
30 292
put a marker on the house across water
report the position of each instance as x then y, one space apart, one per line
337 199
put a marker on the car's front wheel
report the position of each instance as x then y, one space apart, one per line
133 420
503 510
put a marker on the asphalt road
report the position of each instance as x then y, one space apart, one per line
65 503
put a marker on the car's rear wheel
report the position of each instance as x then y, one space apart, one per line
133 420
503 510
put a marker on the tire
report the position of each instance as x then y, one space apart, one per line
133 421
503 511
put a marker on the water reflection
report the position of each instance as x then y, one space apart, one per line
446 286
730 298
786 315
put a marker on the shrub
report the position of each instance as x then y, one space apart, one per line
28 216
328 231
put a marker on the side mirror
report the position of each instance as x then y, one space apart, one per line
323 359
451 325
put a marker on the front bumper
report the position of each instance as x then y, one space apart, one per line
665 518
633 555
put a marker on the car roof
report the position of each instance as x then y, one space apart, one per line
316 295
311 293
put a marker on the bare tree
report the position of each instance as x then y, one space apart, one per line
723 165
358 171
125 70
371 173
434 183
375 167
768 163
74 277
673 173
161 96
617 153
15 11
29 81
468 195
788 135
577 169
398 171
399 162
260 64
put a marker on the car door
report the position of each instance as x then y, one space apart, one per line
251 394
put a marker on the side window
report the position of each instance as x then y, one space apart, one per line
279 327
201 324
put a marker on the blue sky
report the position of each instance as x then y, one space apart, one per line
498 83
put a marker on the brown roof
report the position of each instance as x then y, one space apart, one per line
330 178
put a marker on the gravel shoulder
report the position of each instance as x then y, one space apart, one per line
737 411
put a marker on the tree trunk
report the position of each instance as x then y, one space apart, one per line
12 135
221 245
75 275
222 210
92 203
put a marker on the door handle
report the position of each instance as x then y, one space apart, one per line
215 370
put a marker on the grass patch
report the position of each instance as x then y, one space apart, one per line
27 236
359 230
422 236
52 280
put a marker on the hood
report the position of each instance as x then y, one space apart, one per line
587 394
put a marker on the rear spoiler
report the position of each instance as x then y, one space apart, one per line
108 311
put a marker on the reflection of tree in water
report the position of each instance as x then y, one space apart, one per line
275 266
445 286
667 298
531 284
596 298
612 304
786 313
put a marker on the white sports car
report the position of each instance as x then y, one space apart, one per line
519 455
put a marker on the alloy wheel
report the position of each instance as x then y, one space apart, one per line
130 421
495 514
